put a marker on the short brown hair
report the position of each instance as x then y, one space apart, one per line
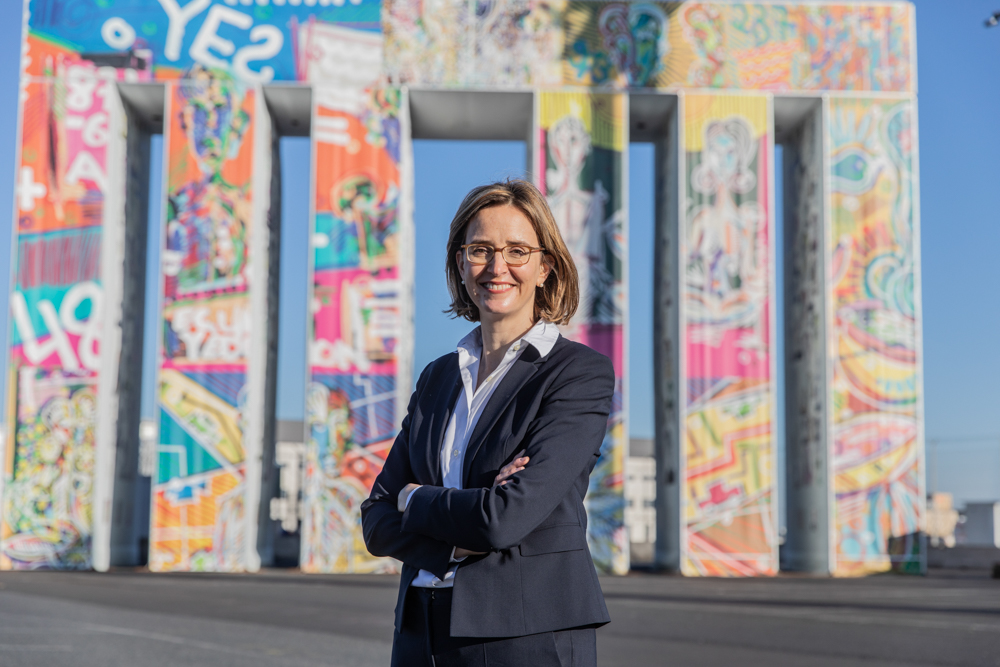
557 299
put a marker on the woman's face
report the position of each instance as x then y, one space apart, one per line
501 291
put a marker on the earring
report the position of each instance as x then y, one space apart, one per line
463 282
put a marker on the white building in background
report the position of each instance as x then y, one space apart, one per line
640 498
980 526
290 457
149 440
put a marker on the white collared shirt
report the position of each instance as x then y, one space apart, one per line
469 407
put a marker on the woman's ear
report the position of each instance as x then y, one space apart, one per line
547 268
460 263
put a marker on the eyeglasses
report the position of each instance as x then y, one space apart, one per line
514 255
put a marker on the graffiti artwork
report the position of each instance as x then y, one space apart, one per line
579 165
728 491
164 39
502 43
874 341
47 501
738 46
713 71
665 45
56 307
356 323
198 507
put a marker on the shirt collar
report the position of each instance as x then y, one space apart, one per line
542 336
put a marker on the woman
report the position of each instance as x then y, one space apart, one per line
481 497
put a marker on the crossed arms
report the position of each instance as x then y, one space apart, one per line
561 441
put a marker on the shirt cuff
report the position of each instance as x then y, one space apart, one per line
452 559
407 504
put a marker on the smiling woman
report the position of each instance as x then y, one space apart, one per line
483 488
508 217
497 265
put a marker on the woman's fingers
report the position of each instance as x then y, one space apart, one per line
504 474
463 553
512 468
509 470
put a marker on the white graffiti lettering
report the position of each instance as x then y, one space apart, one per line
117 33
95 130
208 37
85 166
272 41
178 18
337 354
216 339
88 330
61 324
80 86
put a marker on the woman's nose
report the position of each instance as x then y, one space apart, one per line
497 265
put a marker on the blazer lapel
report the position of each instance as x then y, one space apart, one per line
522 370
444 404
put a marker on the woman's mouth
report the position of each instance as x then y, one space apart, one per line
497 288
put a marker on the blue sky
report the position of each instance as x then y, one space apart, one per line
959 106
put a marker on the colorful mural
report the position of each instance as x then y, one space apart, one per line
667 45
198 493
56 324
727 278
163 39
877 454
502 43
355 322
582 139
739 46
723 59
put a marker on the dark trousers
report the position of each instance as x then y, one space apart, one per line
425 640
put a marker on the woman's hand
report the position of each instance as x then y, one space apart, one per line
515 466
463 553
404 494
511 468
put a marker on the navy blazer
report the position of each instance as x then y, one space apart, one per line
537 574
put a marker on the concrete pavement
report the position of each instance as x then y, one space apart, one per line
280 618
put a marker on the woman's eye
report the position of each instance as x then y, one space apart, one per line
517 253
479 251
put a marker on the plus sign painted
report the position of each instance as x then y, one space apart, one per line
28 190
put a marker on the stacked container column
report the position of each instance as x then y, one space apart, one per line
359 362
580 165
214 365
726 299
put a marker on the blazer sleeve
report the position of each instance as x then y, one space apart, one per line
381 520
562 441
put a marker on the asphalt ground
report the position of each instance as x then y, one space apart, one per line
279 618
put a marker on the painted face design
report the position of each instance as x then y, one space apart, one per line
636 40
213 121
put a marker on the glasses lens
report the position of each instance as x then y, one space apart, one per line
479 254
516 254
